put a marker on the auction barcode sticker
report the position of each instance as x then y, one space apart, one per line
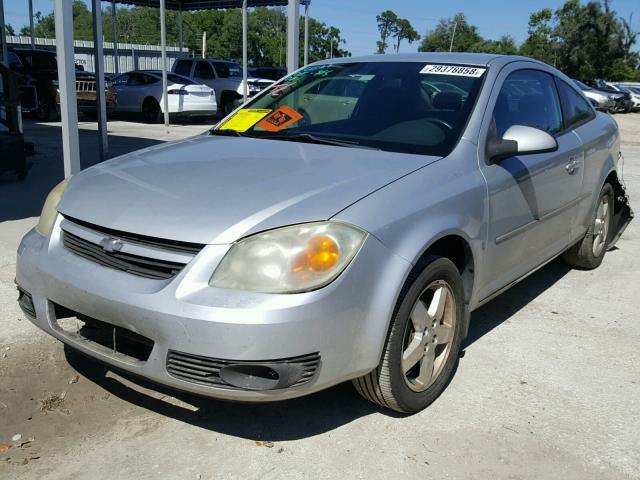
458 70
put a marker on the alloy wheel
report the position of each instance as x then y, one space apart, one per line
601 226
428 336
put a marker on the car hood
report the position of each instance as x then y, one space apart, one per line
217 189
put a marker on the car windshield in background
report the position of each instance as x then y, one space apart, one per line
228 69
408 107
172 77
582 86
40 61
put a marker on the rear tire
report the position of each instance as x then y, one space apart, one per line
589 252
151 110
434 298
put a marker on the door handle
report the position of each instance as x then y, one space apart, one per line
573 165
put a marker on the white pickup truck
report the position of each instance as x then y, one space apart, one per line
223 76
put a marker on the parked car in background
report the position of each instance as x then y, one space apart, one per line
271 73
624 104
607 102
223 76
634 92
140 91
40 69
283 254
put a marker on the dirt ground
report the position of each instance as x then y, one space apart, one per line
549 385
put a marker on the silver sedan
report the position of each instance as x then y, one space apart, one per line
342 225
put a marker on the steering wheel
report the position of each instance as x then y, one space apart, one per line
441 123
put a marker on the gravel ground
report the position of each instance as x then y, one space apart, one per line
548 388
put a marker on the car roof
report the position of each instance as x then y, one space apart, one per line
459 58
33 50
210 60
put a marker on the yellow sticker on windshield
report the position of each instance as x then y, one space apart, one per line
244 119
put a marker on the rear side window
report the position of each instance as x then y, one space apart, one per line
575 107
530 98
183 67
203 70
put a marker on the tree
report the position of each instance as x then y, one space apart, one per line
559 37
266 36
387 26
404 31
439 39
506 45
9 29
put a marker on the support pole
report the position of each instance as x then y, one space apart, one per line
3 35
180 40
204 44
293 33
98 61
245 85
306 33
63 13
114 21
453 36
163 43
31 28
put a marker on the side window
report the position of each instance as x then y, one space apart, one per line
203 70
222 70
135 79
148 79
576 108
121 79
183 67
528 97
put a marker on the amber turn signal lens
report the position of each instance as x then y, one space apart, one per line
321 254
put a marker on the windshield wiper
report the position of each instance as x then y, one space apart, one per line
311 138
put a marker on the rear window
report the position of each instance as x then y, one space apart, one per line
183 67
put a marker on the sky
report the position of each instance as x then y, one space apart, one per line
356 19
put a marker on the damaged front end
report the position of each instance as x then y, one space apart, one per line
622 212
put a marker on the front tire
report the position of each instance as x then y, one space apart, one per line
421 351
589 252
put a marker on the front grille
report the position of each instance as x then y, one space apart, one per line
206 370
126 262
113 339
85 86
142 240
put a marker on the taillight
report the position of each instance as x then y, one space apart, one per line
178 92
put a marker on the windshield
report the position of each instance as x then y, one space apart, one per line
39 60
228 69
581 85
408 107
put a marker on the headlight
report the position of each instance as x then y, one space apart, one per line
292 259
50 209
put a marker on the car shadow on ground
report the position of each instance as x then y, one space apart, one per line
24 199
302 417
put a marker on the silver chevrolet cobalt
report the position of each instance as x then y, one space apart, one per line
342 225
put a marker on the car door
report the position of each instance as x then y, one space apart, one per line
532 198
203 73
124 103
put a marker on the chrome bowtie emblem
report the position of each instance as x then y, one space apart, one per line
111 245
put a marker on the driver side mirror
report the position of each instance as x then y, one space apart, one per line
520 140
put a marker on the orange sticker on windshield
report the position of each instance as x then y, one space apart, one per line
279 119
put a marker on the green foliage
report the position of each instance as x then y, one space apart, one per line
439 39
9 29
405 31
387 28
584 41
267 34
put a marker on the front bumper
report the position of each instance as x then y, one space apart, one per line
344 322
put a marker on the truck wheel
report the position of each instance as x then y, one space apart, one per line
421 351
589 252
